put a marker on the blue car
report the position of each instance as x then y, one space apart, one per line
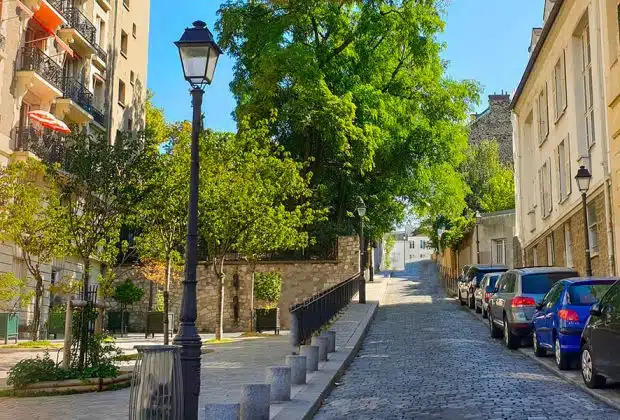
561 317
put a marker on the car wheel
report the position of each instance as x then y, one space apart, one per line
461 299
537 350
484 313
510 340
478 309
495 332
561 359
472 303
590 377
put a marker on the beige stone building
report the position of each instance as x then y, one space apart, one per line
85 61
559 124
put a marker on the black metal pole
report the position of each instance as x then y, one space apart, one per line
477 246
187 337
586 234
362 262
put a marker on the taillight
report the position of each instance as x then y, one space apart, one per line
568 315
487 296
521 301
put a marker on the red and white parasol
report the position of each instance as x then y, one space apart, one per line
47 120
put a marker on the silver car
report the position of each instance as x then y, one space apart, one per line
483 293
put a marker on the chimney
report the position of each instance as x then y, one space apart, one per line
499 99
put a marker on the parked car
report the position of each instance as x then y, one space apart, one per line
561 317
471 281
516 294
484 292
600 341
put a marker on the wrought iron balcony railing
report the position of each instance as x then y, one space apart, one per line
59 5
77 92
79 22
101 53
98 116
46 144
33 59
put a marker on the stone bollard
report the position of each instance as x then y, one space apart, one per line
279 377
298 367
331 340
220 412
321 343
312 357
254 403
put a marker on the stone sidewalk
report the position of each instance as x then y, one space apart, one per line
223 372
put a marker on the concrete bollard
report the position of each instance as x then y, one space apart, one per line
331 340
254 402
220 412
279 377
298 367
312 357
321 343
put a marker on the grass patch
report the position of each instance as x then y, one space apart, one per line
255 334
222 341
126 357
42 344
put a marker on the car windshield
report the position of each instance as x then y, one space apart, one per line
480 274
493 280
540 283
587 294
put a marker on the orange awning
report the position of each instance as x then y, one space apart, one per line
48 17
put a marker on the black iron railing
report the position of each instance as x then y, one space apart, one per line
308 317
77 92
79 22
46 144
448 278
33 59
101 53
98 115
59 5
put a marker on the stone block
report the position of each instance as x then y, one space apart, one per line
220 412
298 365
321 343
279 377
331 340
254 402
312 357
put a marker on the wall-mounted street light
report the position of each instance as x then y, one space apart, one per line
583 178
199 55
361 211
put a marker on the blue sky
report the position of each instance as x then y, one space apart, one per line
487 40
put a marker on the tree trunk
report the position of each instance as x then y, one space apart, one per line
166 326
36 320
84 321
122 323
219 328
252 299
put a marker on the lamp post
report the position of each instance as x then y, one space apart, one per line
199 54
405 250
583 182
478 219
361 211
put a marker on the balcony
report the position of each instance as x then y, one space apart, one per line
39 74
100 58
48 13
79 31
46 144
98 117
76 102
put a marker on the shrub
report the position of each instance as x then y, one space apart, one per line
39 369
268 287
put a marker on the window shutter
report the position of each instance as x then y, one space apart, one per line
569 175
554 93
542 193
546 107
563 75
559 172
550 191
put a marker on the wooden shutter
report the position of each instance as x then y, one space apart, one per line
549 185
563 75
569 175
559 164
542 193
554 93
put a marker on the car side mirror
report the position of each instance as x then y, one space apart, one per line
596 310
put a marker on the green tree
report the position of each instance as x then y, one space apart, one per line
253 199
126 294
14 292
35 224
361 95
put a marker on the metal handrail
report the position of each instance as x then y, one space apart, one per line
33 59
98 115
77 20
311 315
74 90
46 144
101 53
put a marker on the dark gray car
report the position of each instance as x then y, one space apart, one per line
516 294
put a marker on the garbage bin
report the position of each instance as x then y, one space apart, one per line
156 385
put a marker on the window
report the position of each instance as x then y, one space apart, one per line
541 283
535 256
550 250
544 177
121 93
543 116
568 246
564 170
422 243
509 285
498 251
559 86
124 42
134 30
592 228
132 77
101 32
586 75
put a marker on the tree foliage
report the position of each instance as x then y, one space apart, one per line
128 293
14 292
361 95
268 288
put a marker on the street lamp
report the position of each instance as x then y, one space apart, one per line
583 178
405 250
478 220
199 54
361 211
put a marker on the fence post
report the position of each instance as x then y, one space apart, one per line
294 332
66 351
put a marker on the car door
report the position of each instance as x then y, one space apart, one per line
502 295
550 312
540 318
602 335
493 301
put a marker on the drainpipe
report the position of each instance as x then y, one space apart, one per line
611 260
112 72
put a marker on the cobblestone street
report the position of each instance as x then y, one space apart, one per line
426 358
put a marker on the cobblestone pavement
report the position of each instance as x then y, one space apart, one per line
425 358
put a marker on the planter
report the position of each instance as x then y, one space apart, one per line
155 323
9 325
114 321
75 385
267 319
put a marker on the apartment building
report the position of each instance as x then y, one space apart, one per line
559 124
85 61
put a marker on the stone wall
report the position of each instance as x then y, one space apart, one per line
494 123
300 280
